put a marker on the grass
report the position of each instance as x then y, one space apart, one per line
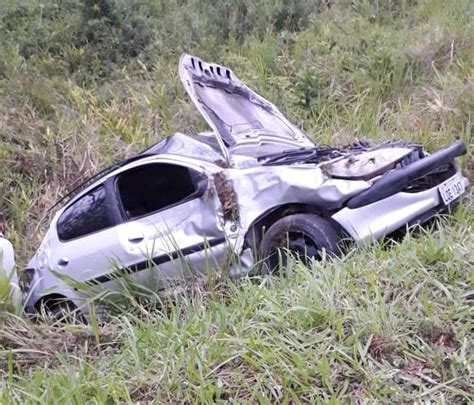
389 323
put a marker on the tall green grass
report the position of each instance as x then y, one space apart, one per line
385 323
84 83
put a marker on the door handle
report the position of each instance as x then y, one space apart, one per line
64 261
137 238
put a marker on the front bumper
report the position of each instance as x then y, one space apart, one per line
397 180
373 221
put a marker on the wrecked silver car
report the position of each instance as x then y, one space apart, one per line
233 197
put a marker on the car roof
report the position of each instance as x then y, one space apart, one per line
199 151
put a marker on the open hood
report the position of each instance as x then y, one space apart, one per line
243 122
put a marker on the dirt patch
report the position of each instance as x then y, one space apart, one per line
440 336
414 367
380 348
227 198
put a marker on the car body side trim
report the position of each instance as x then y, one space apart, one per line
156 261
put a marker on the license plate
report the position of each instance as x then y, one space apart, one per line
451 189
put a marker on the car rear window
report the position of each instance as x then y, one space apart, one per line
87 215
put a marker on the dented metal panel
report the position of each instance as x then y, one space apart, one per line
243 121
367 165
373 221
261 189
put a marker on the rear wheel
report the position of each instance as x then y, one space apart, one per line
303 235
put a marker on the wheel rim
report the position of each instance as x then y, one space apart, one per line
302 245
297 243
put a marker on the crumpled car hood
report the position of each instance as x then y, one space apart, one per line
244 122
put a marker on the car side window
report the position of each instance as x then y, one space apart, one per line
87 215
154 187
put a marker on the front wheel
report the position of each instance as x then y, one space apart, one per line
303 235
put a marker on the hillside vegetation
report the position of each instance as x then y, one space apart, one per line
84 83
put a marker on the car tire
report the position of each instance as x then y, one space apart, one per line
303 235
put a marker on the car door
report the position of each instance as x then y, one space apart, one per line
170 223
89 247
